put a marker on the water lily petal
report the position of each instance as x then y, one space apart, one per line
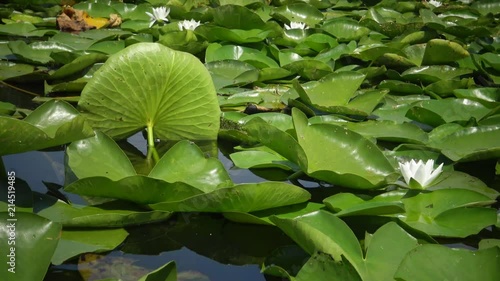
435 174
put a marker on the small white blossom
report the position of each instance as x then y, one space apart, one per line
296 25
435 3
188 24
423 174
159 15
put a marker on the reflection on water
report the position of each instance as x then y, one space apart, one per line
204 247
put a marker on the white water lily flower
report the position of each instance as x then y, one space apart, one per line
188 24
435 3
296 25
159 15
423 173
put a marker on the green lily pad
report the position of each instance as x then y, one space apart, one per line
437 47
77 65
320 93
185 162
470 144
309 68
348 204
298 12
448 212
217 52
237 17
384 130
53 123
239 36
138 189
135 78
232 72
249 197
345 29
438 112
183 168
74 242
112 214
324 232
463 180
487 96
260 159
340 156
37 233
263 217
434 73
449 263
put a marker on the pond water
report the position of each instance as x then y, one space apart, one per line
204 247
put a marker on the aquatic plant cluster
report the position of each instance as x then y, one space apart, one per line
389 109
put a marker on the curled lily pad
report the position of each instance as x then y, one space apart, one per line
435 49
151 84
53 123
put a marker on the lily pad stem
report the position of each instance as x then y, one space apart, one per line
151 145
18 89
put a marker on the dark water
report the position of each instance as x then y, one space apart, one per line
204 246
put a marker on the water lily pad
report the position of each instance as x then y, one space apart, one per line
448 212
152 86
398 87
232 72
237 17
53 123
449 263
216 52
332 90
298 12
324 232
239 198
89 161
438 112
77 65
470 144
74 242
260 159
111 214
185 162
239 36
435 49
430 74
345 29
38 233
487 96
263 217
340 156
348 204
